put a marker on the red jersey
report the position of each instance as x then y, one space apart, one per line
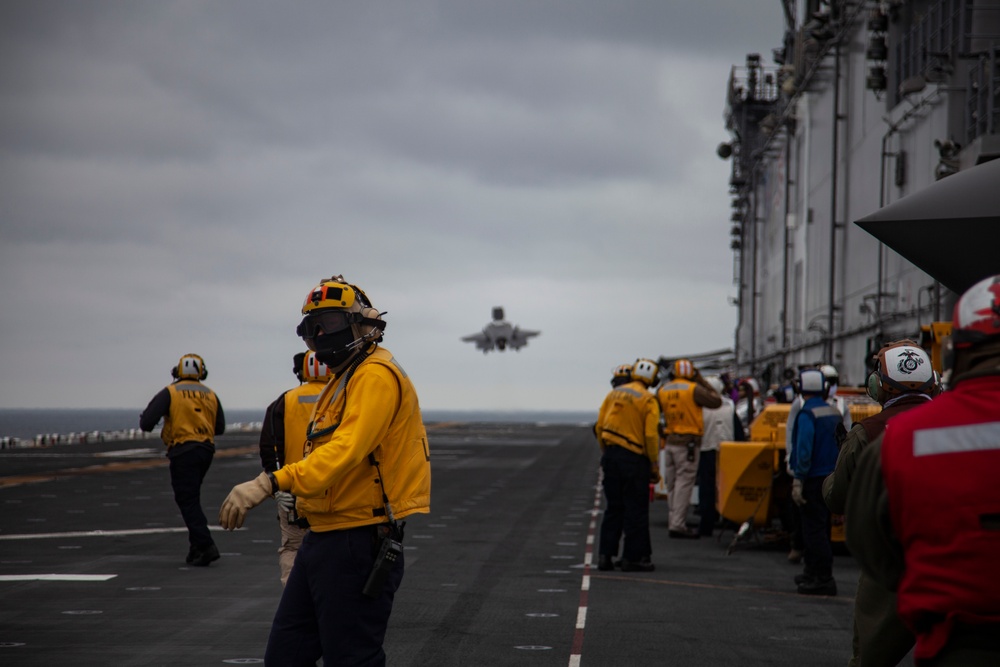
941 466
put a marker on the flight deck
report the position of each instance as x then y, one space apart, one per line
502 572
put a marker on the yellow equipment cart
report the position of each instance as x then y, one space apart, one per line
751 481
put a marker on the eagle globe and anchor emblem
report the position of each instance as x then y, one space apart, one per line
909 361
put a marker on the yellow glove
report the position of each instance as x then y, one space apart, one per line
243 498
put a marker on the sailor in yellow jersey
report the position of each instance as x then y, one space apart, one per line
366 464
627 430
682 400
192 417
282 438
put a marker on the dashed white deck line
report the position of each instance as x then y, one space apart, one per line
576 653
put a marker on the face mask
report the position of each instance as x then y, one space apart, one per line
332 349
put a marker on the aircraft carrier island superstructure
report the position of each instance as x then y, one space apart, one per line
863 104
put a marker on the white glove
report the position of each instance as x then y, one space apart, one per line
242 499
286 501
797 492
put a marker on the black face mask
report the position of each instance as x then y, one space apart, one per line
332 349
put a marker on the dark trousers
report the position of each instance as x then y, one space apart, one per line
787 510
626 490
707 491
187 471
818 554
322 612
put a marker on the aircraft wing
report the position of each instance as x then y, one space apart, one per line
481 340
520 338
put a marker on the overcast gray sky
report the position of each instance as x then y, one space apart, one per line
175 176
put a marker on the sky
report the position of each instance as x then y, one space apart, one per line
176 176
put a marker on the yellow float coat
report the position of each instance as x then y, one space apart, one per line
376 412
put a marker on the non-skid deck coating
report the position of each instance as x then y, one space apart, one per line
502 572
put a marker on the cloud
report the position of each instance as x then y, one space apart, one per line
176 175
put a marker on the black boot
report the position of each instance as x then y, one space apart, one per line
644 565
818 586
210 553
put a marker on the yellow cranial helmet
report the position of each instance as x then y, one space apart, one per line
683 368
645 371
332 293
339 322
314 370
190 367
623 371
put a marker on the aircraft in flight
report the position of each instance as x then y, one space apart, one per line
500 334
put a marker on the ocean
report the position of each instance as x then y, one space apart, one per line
28 424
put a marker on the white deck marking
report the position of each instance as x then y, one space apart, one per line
99 533
576 652
56 577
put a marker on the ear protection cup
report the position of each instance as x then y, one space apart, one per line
874 385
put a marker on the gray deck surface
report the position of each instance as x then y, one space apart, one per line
497 574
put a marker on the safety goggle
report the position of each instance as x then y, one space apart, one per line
327 322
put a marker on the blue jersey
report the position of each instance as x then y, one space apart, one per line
814 439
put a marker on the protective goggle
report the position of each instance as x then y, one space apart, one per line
326 322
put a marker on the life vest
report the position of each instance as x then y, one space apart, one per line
622 419
819 457
940 464
193 408
375 413
299 405
681 414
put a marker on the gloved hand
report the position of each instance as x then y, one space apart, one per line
286 501
243 498
797 492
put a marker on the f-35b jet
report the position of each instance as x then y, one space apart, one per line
500 334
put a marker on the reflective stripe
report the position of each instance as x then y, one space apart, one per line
199 388
629 390
675 386
309 399
826 411
398 367
973 438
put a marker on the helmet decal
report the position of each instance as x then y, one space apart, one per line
977 312
314 370
645 371
683 368
190 367
331 293
909 362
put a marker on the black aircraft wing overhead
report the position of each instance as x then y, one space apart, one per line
948 230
